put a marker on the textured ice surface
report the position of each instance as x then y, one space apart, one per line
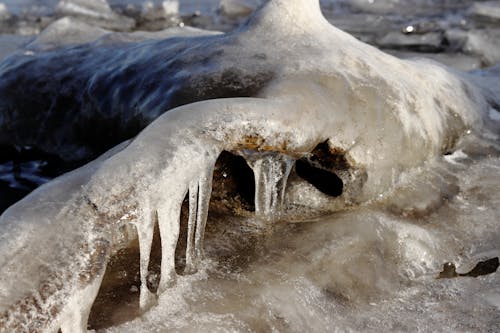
363 270
299 89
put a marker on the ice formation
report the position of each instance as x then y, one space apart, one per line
291 82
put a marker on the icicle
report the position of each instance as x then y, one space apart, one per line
169 225
271 172
199 200
145 230
193 207
203 205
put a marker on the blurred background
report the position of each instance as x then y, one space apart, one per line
461 33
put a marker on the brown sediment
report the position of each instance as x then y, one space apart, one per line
258 143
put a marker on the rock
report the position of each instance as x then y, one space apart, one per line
96 12
456 60
4 13
366 27
151 11
485 43
431 42
456 39
235 8
157 16
374 6
66 31
488 11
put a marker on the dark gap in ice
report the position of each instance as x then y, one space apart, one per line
155 259
118 298
448 272
482 268
326 182
233 182
320 167
329 158
180 250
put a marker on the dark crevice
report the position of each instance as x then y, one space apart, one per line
326 182
482 268
180 249
319 169
329 158
233 182
118 297
155 258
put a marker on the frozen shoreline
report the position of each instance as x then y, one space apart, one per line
406 215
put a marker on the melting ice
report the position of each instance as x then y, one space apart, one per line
414 144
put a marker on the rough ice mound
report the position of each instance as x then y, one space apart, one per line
376 126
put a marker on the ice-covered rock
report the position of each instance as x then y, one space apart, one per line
431 41
392 6
4 13
95 11
66 31
483 43
285 87
375 6
164 9
486 11
156 16
238 7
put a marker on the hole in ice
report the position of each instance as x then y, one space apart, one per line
118 299
180 249
482 268
320 168
233 183
329 158
326 182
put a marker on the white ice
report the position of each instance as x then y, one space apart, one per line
392 118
